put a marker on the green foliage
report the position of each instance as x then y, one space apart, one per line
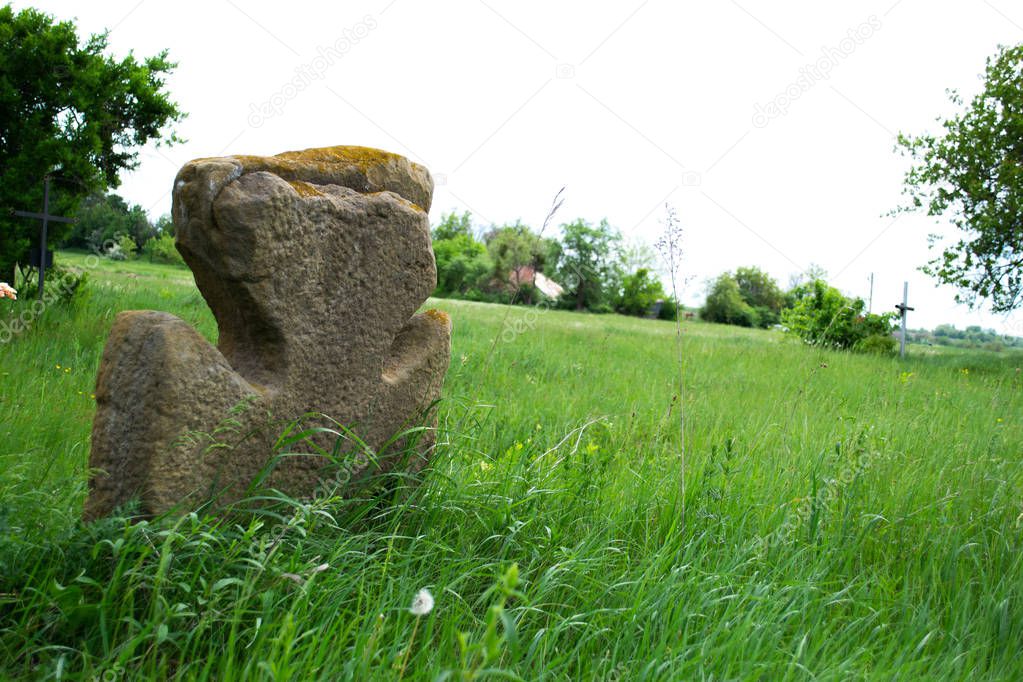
589 268
463 264
670 310
514 246
636 255
972 337
477 660
761 292
453 225
126 246
878 344
640 291
749 298
63 285
164 225
971 173
70 111
516 251
103 219
822 315
161 249
724 304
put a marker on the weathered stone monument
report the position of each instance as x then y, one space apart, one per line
314 264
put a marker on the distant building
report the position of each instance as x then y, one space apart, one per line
527 274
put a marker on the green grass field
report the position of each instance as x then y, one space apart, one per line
845 517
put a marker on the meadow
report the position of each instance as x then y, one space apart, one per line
845 516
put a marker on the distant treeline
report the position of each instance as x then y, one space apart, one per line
580 266
583 266
971 337
106 224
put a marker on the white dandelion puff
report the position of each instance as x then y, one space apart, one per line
422 603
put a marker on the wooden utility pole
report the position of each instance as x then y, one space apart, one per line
47 219
903 309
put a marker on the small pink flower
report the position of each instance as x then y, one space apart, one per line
7 291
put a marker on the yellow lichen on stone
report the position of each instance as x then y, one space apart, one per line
360 157
438 316
363 169
305 189
402 200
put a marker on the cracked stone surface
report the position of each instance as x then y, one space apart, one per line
314 264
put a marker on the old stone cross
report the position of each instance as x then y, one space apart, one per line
314 264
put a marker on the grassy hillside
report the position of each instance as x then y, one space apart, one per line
845 517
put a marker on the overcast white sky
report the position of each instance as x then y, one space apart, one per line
630 104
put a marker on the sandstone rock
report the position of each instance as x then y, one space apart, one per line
313 264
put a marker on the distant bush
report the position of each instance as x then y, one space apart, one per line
669 310
63 285
121 248
128 246
761 292
725 305
462 264
877 344
971 337
766 317
640 291
482 296
162 250
822 315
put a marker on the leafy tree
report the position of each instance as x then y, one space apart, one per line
462 260
453 225
164 225
589 267
462 264
761 292
724 304
516 251
69 111
972 173
812 273
637 255
671 309
161 249
640 291
102 219
822 315
516 245
510 247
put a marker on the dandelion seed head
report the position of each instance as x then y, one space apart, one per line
422 603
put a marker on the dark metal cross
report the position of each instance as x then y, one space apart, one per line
47 219
903 309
